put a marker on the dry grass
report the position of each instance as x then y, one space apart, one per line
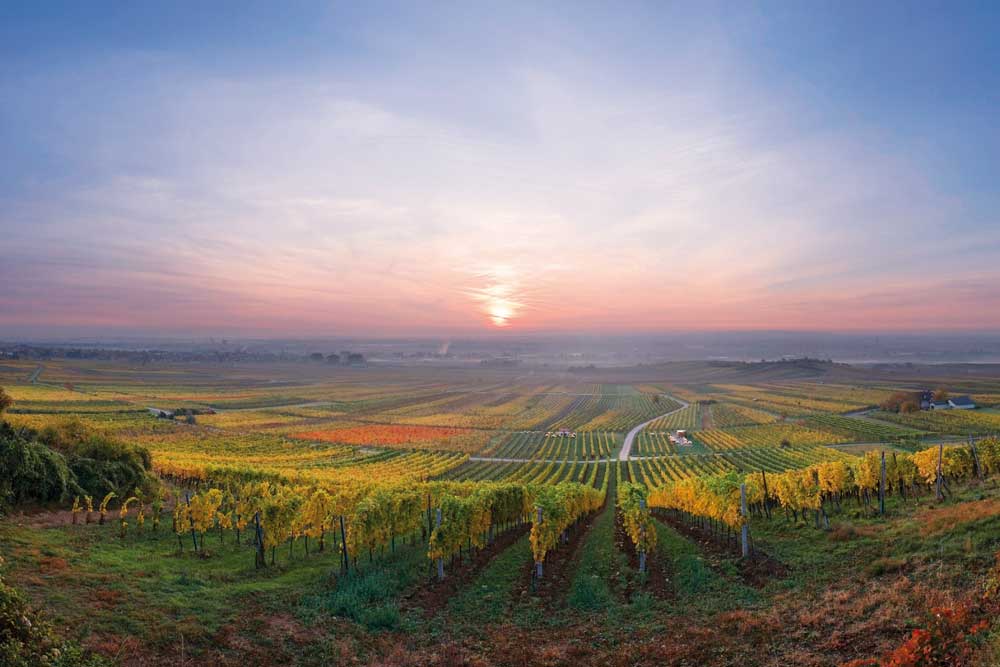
944 519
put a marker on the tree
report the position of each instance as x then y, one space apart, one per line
316 356
333 359
5 400
940 395
896 402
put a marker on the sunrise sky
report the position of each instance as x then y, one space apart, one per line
413 168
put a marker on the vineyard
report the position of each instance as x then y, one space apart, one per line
659 470
391 503
537 445
959 422
862 429
766 435
687 418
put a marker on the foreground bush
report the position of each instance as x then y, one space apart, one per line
60 462
26 639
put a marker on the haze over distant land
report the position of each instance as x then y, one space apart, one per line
401 169
559 351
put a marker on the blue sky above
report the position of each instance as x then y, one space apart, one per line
320 168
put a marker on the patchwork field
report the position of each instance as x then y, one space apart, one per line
345 472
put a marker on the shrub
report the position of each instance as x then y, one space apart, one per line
101 464
26 639
30 471
68 460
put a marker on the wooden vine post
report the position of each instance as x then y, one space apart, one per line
767 506
642 552
940 477
429 527
745 528
881 488
259 561
975 457
538 564
343 546
440 559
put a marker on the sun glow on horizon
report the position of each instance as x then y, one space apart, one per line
498 299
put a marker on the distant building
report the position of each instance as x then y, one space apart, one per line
956 403
962 403
680 438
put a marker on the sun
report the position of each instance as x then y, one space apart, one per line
500 314
498 295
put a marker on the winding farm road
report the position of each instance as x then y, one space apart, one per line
623 455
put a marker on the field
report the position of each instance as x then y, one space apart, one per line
957 422
358 461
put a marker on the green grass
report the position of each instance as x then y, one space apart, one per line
371 597
595 586
696 581
488 597
873 545
90 582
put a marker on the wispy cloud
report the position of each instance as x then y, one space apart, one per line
533 187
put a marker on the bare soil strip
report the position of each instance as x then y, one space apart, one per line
435 595
756 571
657 572
558 570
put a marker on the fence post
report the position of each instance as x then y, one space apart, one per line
767 506
429 528
642 552
440 559
975 457
881 488
538 564
259 561
745 529
940 477
346 561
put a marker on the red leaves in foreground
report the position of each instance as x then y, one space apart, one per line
949 638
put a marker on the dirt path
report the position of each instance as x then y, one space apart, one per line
435 595
626 449
558 570
657 573
755 571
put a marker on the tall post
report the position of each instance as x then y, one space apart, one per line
745 528
429 528
881 488
940 477
343 546
767 506
975 457
642 551
899 477
440 558
538 564
259 561
194 538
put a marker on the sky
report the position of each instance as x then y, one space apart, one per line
383 169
